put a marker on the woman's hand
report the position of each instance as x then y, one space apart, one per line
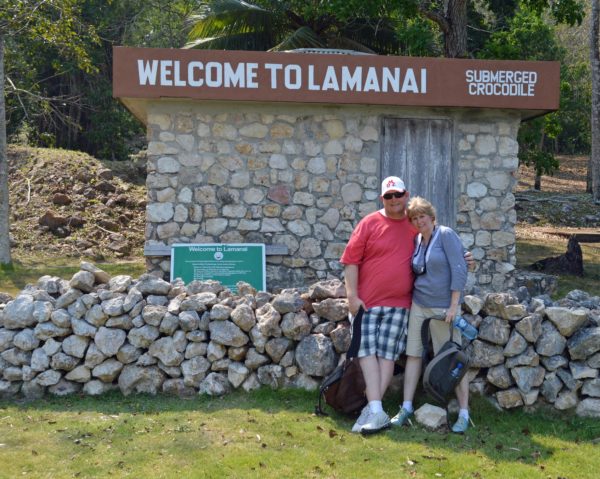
451 313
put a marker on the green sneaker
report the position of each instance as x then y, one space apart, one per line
402 417
461 425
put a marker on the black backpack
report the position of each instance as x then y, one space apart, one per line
344 388
444 371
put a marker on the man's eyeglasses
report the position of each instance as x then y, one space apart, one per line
397 194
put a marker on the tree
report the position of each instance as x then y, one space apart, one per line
4 208
595 61
527 36
293 24
54 21
452 17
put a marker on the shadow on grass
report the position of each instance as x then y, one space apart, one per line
503 436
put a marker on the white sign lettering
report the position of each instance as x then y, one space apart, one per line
242 75
501 82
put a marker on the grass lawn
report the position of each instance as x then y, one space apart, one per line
273 434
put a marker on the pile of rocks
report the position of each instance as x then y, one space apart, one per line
96 333
533 348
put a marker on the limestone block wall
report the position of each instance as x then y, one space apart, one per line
303 176
487 150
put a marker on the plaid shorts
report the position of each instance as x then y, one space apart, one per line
383 332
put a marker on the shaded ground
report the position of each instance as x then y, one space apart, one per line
561 204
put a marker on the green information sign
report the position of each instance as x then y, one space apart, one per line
227 263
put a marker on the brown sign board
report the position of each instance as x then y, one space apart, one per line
148 73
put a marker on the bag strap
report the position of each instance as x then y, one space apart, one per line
355 342
352 352
425 338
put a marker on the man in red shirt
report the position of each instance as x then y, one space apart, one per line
379 278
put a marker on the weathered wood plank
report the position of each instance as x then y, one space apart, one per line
420 152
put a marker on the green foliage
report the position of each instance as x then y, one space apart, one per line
570 12
286 25
528 37
531 136
109 130
574 136
53 23
60 75
418 37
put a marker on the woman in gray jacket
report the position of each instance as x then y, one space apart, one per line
440 277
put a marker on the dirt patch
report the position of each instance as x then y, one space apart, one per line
67 203
561 203
570 178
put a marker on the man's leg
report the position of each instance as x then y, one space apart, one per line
371 373
386 372
391 339
369 365
378 373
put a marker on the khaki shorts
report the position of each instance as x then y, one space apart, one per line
440 331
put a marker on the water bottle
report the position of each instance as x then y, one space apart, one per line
455 373
465 328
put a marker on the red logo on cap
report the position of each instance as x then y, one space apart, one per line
390 183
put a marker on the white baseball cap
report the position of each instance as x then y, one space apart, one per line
392 183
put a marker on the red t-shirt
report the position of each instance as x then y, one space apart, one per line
382 248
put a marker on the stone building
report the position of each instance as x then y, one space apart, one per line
231 160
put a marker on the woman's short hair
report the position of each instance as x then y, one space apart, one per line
420 206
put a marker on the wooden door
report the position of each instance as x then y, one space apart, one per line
420 152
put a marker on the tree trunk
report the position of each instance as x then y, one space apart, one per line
537 185
595 62
453 24
455 39
4 208
588 176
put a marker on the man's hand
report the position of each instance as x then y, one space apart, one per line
354 303
470 261
351 280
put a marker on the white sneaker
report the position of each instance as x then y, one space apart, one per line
375 423
362 419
